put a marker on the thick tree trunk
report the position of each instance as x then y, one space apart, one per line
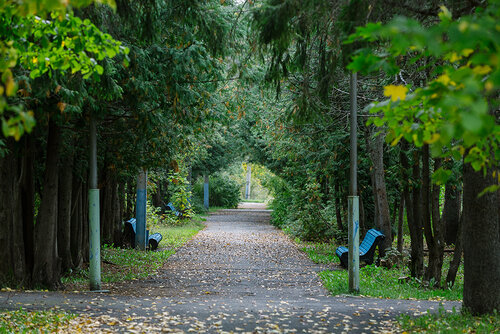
46 271
76 224
380 192
451 212
64 215
8 168
481 243
28 204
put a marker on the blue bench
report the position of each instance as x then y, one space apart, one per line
129 234
154 240
170 206
366 250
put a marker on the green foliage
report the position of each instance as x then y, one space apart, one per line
180 193
454 111
62 42
449 322
223 191
22 321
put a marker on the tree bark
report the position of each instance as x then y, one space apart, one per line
338 211
451 212
76 224
28 204
8 166
46 270
457 255
401 210
64 214
436 247
481 243
380 192
412 200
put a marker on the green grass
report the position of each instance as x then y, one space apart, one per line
252 200
450 322
22 321
384 283
323 253
128 264
377 281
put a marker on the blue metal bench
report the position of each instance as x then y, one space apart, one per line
170 206
154 240
130 230
366 250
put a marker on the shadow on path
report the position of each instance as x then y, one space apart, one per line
239 274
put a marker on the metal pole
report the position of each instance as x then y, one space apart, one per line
94 223
205 191
353 199
249 181
140 211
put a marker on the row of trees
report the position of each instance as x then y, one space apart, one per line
149 72
443 137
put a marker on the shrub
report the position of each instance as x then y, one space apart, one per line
223 191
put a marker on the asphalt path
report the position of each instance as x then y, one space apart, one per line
240 275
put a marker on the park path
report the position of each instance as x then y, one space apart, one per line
239 274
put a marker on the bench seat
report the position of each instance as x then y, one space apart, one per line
366 250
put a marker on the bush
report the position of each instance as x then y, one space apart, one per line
223 191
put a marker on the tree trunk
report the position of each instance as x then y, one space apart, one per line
64 214
85 221
338 211
28 204
412 202
436 249
401 210
76 224
8 169
380 192
46 270
481 243
451 212
362 218
457 255
120 204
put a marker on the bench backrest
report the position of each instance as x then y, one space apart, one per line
371 239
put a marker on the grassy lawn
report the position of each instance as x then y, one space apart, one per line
454 322
380 282
385 283
128 264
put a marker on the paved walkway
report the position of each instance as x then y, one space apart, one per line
240 274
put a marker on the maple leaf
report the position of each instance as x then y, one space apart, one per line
395 92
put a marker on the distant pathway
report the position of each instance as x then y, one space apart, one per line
239 274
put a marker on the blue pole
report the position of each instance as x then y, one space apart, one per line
140 214
205 192
94 219
353 199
